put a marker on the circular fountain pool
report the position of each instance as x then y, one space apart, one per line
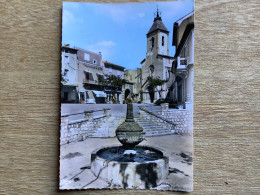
141 167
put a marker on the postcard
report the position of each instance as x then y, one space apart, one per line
127 96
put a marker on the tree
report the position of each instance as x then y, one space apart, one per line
64 80
155 83
112 80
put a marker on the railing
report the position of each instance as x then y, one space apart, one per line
87 113
157 116
78 130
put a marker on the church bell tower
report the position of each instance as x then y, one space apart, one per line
157 37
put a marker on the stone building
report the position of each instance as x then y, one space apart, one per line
183 40
90 69
81 70
132 89
157 63
114 94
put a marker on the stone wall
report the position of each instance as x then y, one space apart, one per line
157 118
183 119
73 131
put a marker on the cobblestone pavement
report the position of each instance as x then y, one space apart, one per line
75 162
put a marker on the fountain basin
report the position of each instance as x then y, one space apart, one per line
145 168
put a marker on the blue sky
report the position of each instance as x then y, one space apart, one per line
118 31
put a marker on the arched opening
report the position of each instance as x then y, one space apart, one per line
127 92
150 90
152 42
180 90
151 70
162 40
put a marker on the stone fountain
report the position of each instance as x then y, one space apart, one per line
130 166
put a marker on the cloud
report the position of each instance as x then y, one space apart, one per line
141 15
105 47
120 13
67 17
70 14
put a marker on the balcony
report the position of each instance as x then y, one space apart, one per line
89 81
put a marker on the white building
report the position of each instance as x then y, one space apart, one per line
69 71
81 70
183 40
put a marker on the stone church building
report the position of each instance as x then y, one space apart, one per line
157 63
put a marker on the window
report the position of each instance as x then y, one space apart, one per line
82 96
89 77
185 51
139 80
131 77
86 56
151 70
87 96
118 73
152 42
66 74
94 61
168 74
66 59
100 77
110 70
66 96
162 40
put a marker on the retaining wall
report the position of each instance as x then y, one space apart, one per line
182 118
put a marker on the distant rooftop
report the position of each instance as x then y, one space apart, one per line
107 64
67 46
184 18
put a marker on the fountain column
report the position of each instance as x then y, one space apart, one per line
130 133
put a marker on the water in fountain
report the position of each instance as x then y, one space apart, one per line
129 165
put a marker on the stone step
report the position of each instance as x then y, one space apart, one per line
144 121
153 127
108 128
105 130
113 121
101 135
110 124
158 133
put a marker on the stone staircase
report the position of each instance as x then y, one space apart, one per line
108 128
150 128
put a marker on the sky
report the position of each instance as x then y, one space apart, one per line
118 31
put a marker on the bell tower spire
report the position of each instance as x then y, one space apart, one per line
157 15
157 37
